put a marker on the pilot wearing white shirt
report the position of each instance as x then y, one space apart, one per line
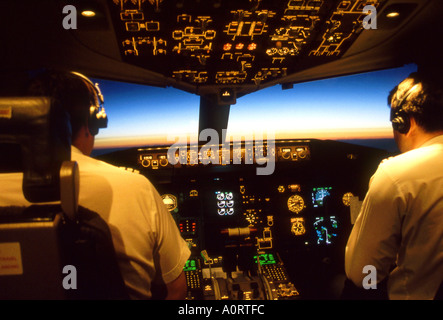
399 230
148 244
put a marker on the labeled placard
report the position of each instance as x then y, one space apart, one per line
10 259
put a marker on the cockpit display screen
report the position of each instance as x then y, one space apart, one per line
266 258
191 265
319 195
225 203
325 230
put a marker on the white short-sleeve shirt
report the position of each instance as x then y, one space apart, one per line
399 229
145 236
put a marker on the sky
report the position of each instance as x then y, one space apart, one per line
349 107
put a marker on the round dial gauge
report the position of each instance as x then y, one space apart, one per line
251 218
347 198
298 226
296 203
170 201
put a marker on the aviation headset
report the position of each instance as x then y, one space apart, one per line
97 115
400 120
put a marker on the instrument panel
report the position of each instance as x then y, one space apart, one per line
296 219
155 158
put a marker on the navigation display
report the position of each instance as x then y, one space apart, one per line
319 195
325 230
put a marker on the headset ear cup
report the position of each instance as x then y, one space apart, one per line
92 121
97 119
401 123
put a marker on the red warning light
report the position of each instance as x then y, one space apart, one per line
239 46
227 46
252 46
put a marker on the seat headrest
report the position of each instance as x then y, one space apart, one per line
41 132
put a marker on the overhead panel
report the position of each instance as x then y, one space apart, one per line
238 42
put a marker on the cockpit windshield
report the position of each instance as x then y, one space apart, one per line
344 108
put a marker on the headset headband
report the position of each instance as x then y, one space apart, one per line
94 85
399 117
97 115
399 105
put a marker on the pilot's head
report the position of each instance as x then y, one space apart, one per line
417 100
80 97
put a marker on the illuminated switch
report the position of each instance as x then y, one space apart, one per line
132 26
210 34
152 26
137 16
125 16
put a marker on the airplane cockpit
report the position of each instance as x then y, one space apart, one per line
238 222
266 215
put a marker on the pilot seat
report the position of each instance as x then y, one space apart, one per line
52 248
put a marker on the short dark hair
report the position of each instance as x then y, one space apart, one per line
421 97
67 90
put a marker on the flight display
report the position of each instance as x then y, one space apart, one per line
319 195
